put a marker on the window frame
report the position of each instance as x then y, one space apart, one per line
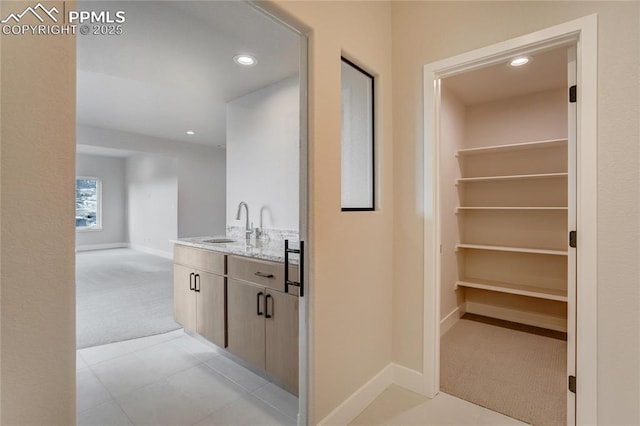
373 139
98 226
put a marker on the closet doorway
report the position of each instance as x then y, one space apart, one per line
506 185
506 143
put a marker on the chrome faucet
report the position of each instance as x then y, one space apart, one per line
260 231
248 230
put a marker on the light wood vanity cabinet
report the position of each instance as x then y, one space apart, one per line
210 308
246 325
184 298
199 292
239 303
281 342
263 322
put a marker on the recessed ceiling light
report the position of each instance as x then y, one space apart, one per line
191 132
245 60
520 61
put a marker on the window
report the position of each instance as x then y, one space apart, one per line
358 161
88 203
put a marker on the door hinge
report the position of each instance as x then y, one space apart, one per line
573 95
572 384
573 239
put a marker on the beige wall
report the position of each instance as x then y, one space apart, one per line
526 118
452 130
424 32
1 10
353 280
351 251
37 142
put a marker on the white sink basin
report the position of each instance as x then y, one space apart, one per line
219 240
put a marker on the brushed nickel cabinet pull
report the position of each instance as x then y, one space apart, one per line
263 275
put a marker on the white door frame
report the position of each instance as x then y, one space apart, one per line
305 318
583 33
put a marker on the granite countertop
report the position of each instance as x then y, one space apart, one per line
272 250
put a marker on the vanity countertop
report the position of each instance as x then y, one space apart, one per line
271 250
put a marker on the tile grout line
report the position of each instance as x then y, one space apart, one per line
191 399
164 378
114 397
233 381
271 405
251 392
216 409
156 382
123 411
102 384
126 353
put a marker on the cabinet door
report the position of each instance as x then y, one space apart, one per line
184 299
282 338
245 321
210 291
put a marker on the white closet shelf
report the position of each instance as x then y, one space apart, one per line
551 143
510 208
521 290
512 249
512 177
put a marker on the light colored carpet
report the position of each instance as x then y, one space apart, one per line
516 373
122 294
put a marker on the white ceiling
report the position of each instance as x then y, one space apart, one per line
172 69
547 70
103 151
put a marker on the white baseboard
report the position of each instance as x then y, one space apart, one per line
409 379
149 250
449 321
413 380
89 247
351 407
529 318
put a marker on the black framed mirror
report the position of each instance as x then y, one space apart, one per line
358 144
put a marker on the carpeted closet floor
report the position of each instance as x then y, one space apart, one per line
518 373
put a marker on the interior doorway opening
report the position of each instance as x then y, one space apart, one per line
507 180
486 267
219 88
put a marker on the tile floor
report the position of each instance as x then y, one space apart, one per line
174 379
398 406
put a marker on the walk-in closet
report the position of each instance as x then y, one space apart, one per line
506 203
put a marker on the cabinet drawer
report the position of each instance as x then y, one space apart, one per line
268 274
200 259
